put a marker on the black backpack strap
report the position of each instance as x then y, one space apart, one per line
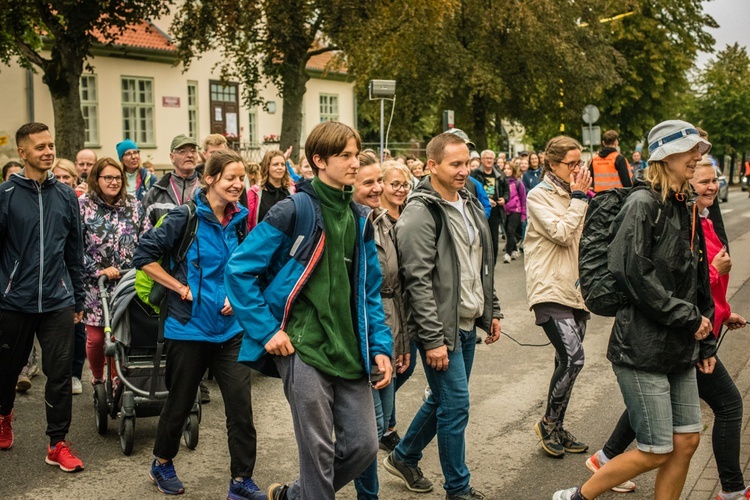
188 234
435 212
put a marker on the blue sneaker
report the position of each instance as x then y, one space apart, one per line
165 478
245 490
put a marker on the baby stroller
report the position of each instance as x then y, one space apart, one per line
134 351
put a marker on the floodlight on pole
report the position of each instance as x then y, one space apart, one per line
383 90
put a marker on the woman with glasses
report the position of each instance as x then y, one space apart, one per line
275 185
113 222
139 179
556 208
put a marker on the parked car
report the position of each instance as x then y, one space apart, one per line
723 186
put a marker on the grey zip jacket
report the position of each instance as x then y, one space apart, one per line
41 246
432 271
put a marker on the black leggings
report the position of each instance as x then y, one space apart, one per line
720 393
512 222
567 337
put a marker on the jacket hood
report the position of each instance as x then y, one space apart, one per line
20 180
606 151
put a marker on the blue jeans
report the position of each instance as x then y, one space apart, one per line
445 414
401 379
366 483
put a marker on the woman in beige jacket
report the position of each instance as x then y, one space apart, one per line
556 208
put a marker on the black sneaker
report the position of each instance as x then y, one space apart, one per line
550 442
205 394
411 476
389 441
569 442
277 491
472 494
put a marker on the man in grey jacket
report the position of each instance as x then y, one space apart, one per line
446 257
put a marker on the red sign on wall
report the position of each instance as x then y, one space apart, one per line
170 102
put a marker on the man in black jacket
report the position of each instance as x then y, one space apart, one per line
496 186
41 254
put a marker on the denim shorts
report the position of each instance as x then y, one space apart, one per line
660 405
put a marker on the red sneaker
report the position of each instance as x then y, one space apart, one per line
62 456
6 431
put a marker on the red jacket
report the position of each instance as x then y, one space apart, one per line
719 284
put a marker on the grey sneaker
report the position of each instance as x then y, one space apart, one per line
549 439
472 494
411 476
569 442
565 494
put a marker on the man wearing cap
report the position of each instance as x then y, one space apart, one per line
177 187
609 169
140 179
496 186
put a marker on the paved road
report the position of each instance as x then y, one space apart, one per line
508 387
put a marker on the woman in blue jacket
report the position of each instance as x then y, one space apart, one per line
201 330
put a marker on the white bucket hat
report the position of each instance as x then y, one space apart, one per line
674 136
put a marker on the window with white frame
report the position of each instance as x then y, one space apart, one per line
90 109
329 107
192 105
138 110
252 127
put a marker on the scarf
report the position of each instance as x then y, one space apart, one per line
557 181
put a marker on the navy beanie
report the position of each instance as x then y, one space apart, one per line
123 146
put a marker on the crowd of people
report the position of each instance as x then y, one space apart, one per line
338 274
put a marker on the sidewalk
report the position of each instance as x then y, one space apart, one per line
707 484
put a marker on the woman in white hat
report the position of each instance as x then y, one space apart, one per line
663 330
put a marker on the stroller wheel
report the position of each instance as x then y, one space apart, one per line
127 435
101 409
190 432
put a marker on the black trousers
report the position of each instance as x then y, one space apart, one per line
79 353
718 390
512 223
55 332
187 361
495 221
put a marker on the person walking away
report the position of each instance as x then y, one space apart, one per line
443 230
654 345
201 330
113 223
716 388
609 169
556 209
40 275
305 287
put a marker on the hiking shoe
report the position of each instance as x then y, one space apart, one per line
165 478
734 495
565 494
6 431
23 384
592 464
277 491
507 259
77 386
62 456
205 394
245 490
548 438
569 441
472 494
411 476
389 441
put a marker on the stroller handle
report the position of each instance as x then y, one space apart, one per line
104 295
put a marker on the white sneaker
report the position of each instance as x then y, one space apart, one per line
592 464
515 255
507 259
564 494
77 387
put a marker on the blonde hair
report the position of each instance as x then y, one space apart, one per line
68 166
657 176
389 166
214 140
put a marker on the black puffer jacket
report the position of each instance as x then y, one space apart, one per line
666 285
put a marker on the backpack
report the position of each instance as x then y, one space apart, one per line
154 294
598 286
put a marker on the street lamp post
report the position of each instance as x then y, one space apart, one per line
382 89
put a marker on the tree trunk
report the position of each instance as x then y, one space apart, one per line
62 75
731 166
479 123
294 87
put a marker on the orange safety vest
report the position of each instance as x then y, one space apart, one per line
606 175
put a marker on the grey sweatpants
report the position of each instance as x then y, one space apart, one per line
322 404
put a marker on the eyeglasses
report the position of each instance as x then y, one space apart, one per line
111 179
134 152
397 186
185 151
572 165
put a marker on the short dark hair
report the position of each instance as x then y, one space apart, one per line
609 137
29 128
436 147
8 166
329 139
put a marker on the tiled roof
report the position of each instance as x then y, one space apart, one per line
144 35
320 62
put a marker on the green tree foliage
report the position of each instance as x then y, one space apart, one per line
56 36
722 101
657 47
